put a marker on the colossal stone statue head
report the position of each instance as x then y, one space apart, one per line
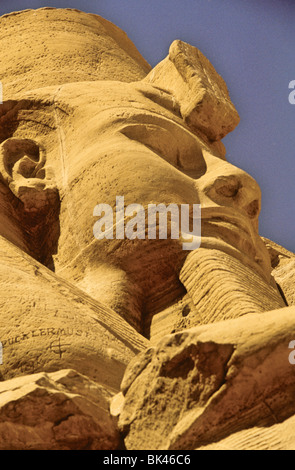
85 120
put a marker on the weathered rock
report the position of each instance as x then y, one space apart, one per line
201 92
48 324
284 275
63 410
205 383
279 436
85 120
52 46
219 287
283 262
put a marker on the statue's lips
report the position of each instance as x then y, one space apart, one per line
235 235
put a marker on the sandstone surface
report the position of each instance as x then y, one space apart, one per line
48 324
283 262
53 47
114 340
62 410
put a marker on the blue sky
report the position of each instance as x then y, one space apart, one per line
251 44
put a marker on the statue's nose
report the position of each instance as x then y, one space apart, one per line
226 185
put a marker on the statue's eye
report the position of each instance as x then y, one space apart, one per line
156 138
171 142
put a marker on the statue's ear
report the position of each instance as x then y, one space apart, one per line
23 170
200 91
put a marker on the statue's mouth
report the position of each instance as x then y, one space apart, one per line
236 235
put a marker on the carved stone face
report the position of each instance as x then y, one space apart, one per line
152 141
103 139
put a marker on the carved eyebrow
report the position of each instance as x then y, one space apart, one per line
32 116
